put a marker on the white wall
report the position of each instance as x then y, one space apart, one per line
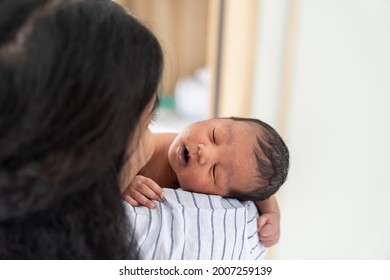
269 59
336 202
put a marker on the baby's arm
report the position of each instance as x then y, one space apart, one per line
268 224
141 191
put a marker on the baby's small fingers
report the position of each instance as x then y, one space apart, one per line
130 200
266 230
267 239
142 199
149 193
268 243
261 221
154 187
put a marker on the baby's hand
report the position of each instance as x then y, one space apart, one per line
141 191
268 228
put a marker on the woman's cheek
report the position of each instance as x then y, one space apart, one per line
148 146
138 159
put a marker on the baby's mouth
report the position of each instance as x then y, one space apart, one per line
184 156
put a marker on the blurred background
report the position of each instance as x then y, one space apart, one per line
316 70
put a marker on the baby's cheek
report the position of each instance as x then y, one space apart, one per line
193 183
186 181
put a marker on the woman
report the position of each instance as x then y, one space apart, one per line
78 84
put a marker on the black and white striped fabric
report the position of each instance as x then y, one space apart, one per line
192 226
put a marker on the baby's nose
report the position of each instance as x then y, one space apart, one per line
204 153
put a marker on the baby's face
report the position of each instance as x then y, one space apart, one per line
213 156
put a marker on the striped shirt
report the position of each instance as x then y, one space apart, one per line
192 226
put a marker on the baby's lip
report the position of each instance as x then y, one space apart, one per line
180 156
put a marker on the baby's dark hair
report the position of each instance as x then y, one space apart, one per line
272 157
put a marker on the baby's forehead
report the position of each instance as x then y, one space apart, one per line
245 166
244 170
246 131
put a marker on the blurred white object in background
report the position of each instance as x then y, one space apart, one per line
191 103
192 95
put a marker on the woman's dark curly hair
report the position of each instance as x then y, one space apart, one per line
75 77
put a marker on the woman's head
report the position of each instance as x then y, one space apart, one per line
79 75
75 78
